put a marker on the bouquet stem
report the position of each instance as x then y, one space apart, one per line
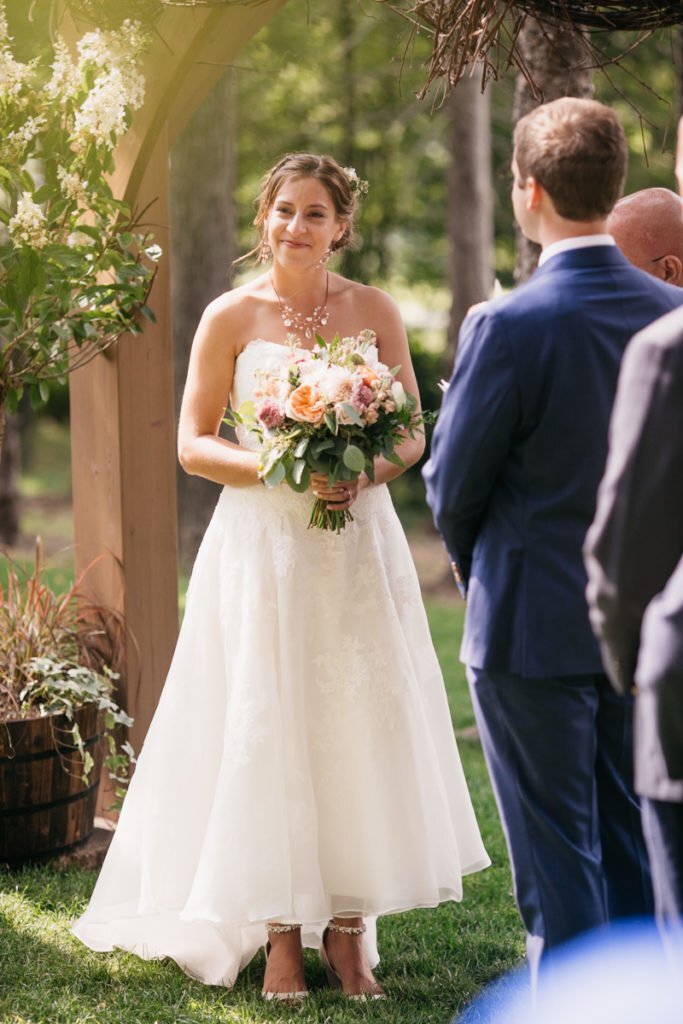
324 518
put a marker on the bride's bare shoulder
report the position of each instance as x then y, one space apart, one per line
230 317
372 305
238 302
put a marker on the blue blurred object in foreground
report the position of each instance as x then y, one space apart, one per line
627 974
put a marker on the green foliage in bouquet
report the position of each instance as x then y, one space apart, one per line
332 411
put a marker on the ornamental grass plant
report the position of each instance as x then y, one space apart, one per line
59 652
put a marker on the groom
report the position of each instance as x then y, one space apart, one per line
516 458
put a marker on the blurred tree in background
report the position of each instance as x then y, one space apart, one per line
341 76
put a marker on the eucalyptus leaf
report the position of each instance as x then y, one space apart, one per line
300 479
298 470
352 414
354 459
275 474
321 445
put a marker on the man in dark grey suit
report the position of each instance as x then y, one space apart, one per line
634 557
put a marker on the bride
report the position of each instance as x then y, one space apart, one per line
300 777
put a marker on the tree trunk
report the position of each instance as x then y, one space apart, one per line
470 204
351 262
678 43
10 467
555 58
202 178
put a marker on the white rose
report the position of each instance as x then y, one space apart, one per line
312 371
398 394
371 356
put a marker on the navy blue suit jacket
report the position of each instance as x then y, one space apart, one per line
519 449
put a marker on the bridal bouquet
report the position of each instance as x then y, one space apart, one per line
330 410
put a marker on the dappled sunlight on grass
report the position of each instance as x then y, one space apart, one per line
433 961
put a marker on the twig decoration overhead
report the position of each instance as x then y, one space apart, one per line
111 13
485 32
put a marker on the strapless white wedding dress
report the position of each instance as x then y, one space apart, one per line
301 762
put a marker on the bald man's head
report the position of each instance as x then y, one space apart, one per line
648 228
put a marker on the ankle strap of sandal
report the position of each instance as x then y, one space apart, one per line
345 929
282 929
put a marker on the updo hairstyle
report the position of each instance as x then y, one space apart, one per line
307 165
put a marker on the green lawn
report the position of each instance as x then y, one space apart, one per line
433 961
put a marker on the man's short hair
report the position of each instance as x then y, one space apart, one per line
576 149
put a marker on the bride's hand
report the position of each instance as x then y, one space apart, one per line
339 495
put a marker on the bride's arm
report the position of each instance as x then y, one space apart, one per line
393 348
209 378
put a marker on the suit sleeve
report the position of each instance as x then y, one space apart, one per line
472 437
635 541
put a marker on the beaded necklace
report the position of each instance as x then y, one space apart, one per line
307 326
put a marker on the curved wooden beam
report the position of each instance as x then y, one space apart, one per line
122 410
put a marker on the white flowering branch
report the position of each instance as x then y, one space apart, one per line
75 267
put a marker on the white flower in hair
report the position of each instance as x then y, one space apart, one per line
358 186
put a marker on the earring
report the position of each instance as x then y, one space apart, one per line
264 252
326 256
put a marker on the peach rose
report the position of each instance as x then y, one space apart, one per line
369 376
305 404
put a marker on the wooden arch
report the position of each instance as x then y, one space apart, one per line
122 412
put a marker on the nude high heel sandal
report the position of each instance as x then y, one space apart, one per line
333 978
283 997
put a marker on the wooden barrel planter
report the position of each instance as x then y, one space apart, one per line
45 806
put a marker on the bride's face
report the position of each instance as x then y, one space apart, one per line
302 223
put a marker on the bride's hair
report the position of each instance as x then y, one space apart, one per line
324 169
